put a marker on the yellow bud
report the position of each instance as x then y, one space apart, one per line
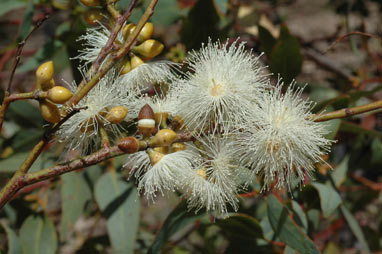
162 149
92 17
160 117
164 137
176 147
116 114
146 32
59 94
49 111
127 30
44 73
90 3
48 85
202 172
154 156
135 62
149 48
126 67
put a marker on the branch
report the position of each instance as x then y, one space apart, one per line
346 112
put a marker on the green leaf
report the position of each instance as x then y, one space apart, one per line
241 226
12 163
300 217
329 198
222 5
356 229
27 21
332 126
75 192
357 129
267 41
25 113
286 58
166 13
176 220
38 235
24 140
339 173
14 245
286 229
9 5
120 206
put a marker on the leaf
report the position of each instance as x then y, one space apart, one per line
332 126
357 129
24 140
27 21
286 229
241 226
222 5
38 235
329 198
9 5
120 206
12 163
300 217
14 245
286 58
75 192
356 229
267 41
339 173
176 220
166 13
25 113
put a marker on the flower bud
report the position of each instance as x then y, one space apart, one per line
126 67
44 73
202 172
177 122
59 94
164 137
48 85
90 3
160 117
49 111
92 17
146 32
162 149
176 147
129 145
127 30
146 122
154 156
136 61
149 48
117 114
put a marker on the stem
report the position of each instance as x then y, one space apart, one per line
105 142
346 112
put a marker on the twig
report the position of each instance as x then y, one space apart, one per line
350 34
346 112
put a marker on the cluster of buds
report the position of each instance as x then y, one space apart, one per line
93 15
51 94
146 49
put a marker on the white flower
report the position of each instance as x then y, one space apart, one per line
212 184
81 131
163 174
280 140
223 85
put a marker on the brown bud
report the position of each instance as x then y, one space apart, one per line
176 147
177 123
146 122
92 17
129 145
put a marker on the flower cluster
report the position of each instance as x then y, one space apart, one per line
242 126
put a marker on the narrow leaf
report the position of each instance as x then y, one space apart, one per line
339 173
14 245
120 206
241 226
286 229
329 198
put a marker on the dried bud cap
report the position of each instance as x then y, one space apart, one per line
164 137
202 172
44 73
154 156
92 17
126 67
49 111
176 147
59 94
146 32
127 30
48 85
160 117
129 145
90 3
149 48
146 122
135 62
162 149
117 114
